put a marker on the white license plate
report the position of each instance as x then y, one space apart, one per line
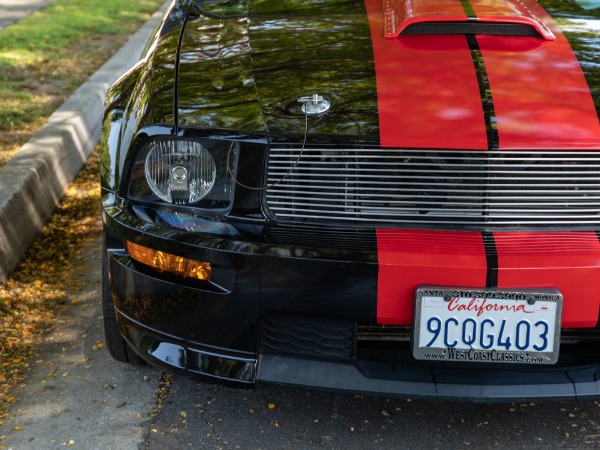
487 325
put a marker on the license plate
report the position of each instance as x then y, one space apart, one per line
487 325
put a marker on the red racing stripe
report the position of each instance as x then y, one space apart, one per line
409 258
541 97
427 89
567 261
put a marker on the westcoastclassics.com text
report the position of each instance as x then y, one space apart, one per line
475 355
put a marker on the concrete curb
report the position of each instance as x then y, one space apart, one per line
33 182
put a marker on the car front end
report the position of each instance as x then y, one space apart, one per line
378 197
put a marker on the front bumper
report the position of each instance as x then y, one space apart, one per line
433 383
290 316
350 373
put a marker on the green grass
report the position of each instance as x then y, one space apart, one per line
66 21
44 57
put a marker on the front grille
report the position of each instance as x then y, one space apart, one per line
434 188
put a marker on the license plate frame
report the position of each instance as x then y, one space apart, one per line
454 315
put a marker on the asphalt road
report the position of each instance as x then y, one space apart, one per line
77 396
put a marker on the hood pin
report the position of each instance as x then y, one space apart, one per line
314 105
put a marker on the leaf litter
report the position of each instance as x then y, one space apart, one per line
38 288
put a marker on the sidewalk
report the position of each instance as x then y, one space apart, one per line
13 10
34 180
75 394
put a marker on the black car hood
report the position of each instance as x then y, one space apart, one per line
245 66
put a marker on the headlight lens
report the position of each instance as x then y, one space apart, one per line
194 172
180 172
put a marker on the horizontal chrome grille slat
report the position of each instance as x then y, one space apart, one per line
420 187
408 212
497 210
443 220
414 167
498 198
275 176
332 185
504 155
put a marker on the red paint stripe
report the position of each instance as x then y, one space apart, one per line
426 88
409 258
567 261
541 97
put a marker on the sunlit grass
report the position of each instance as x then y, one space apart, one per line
46 56
64 22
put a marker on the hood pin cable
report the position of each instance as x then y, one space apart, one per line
313 106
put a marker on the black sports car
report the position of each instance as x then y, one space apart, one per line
396 197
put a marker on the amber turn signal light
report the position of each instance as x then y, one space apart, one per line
165 262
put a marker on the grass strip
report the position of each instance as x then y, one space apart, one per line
46 56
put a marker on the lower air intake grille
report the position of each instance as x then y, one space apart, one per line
308 336
430 188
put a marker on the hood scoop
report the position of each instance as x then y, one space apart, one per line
497 17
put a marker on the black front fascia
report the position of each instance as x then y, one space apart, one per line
250 279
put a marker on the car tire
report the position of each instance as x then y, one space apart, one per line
117 346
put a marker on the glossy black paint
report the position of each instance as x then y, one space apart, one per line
582 30
141 97
243 65
250 278
246 73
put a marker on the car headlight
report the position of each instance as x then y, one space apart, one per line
194 172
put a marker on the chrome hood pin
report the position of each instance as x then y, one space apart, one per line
314 105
